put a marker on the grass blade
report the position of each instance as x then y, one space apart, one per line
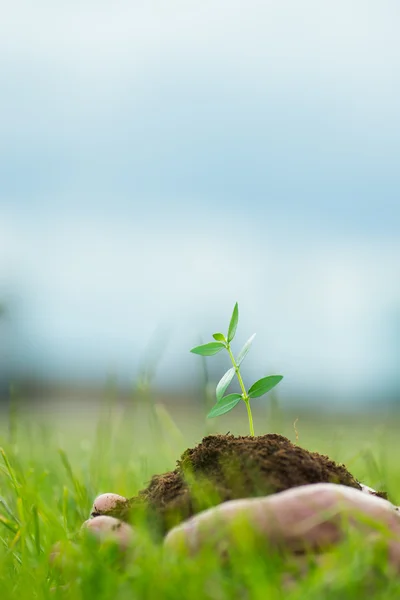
10 472
36 529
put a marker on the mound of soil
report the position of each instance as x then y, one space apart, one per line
224 467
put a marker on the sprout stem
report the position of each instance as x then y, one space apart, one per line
245 396
247 402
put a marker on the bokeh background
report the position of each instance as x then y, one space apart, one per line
161 160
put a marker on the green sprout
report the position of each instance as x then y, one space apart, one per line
225 403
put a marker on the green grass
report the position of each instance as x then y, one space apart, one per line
52 466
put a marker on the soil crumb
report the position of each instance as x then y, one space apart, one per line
225 467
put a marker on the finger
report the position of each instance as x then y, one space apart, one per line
108 504
300 519
110 529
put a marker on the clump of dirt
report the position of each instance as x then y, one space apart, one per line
224 467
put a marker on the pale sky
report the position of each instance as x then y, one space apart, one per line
159 161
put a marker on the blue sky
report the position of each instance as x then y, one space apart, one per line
159 162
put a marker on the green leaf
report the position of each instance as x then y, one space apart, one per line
208 349
219 337
224 405
224 382
264 385
245 349
233 323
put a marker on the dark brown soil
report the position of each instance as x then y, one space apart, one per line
224 467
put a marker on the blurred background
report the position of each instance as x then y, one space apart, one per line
161 161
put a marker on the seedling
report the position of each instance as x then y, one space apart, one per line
225 403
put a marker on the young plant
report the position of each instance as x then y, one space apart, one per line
225 403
